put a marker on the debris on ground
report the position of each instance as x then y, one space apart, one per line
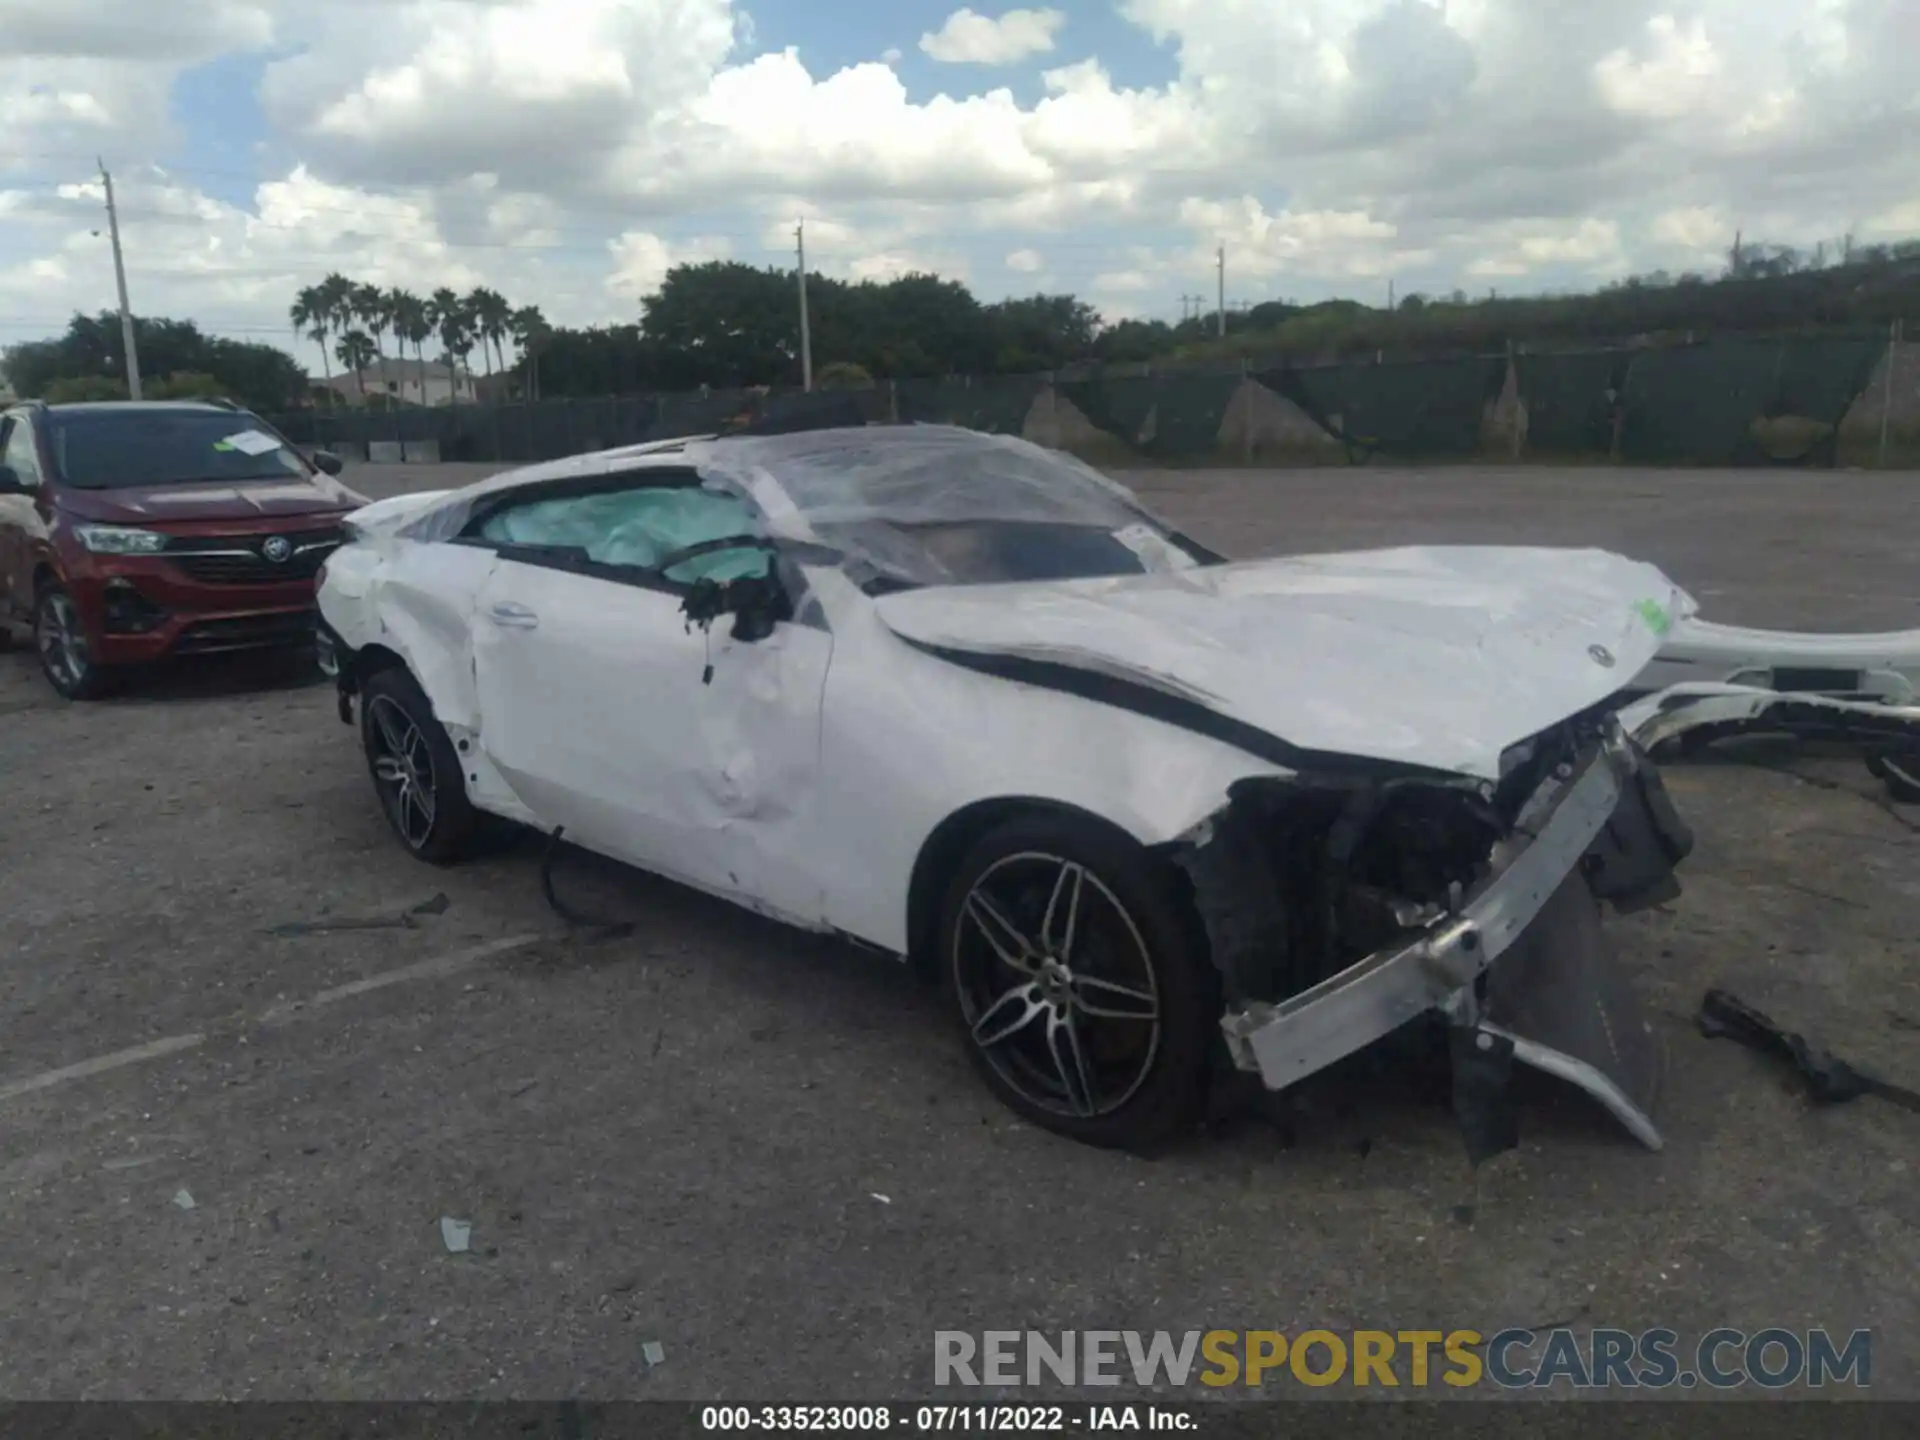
654 1353
1829 1079
456 1235
602 929
883 1199
405 920
183 1199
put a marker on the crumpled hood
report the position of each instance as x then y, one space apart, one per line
1439 657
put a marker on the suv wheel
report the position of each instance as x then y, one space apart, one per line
66 656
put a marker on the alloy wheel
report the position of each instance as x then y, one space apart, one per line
1057 985
402 770
62 641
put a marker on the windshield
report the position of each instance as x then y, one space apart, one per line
934 505
112 450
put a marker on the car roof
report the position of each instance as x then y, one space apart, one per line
138 407
732 452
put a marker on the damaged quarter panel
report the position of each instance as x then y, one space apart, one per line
424 601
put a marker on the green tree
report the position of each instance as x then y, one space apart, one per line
531 334
312 320
92 349
413 324
356 351
448 315
490 317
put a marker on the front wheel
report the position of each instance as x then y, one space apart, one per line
416 772
66 655
1087 1002
1899 771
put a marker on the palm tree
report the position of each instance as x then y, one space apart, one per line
369 303
357 351
449 314
491 316
310 319
413 321
530 331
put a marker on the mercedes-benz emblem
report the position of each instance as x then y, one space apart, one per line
277 549
1601 655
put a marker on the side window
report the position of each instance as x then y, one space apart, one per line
636 529
17 450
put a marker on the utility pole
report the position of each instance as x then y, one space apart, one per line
1390 295
806 340
1223 291
120 279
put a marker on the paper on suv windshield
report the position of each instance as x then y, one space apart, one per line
249 442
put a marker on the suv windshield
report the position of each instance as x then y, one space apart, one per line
108 449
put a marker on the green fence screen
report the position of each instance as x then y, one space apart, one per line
1413 409
1171 416
1571 400
996 404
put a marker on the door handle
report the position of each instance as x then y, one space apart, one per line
513 616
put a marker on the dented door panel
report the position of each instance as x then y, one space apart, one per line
598 709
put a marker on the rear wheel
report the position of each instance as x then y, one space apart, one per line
1086 1003
416 772
66 655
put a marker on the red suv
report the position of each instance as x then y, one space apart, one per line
136 532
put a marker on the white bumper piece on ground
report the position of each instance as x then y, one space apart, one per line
1882 667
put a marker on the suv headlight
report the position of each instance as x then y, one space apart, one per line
120 539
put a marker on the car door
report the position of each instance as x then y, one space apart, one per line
672 747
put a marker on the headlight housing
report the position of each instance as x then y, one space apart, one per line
120 539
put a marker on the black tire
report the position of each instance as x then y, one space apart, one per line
396 719
1899 772
1129 1091
60 641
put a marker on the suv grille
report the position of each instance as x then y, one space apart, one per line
243 560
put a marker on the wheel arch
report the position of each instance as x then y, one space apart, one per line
948 844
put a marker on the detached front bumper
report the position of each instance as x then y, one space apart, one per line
1519 968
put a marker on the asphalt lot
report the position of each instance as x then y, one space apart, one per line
684 1136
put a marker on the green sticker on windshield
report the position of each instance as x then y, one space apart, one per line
1655 614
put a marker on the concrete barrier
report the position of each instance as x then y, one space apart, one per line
352 451
420 452
384 452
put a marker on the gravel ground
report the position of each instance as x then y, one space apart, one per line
683 1136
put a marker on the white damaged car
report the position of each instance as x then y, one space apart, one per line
1145 813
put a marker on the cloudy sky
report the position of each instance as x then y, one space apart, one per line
568 151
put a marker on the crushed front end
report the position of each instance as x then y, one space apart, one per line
1342 908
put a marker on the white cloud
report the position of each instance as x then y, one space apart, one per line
891 55
1673 79
642 259
970 38
1589 246
565 150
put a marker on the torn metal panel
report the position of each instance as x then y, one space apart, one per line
1715 710
1534 908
